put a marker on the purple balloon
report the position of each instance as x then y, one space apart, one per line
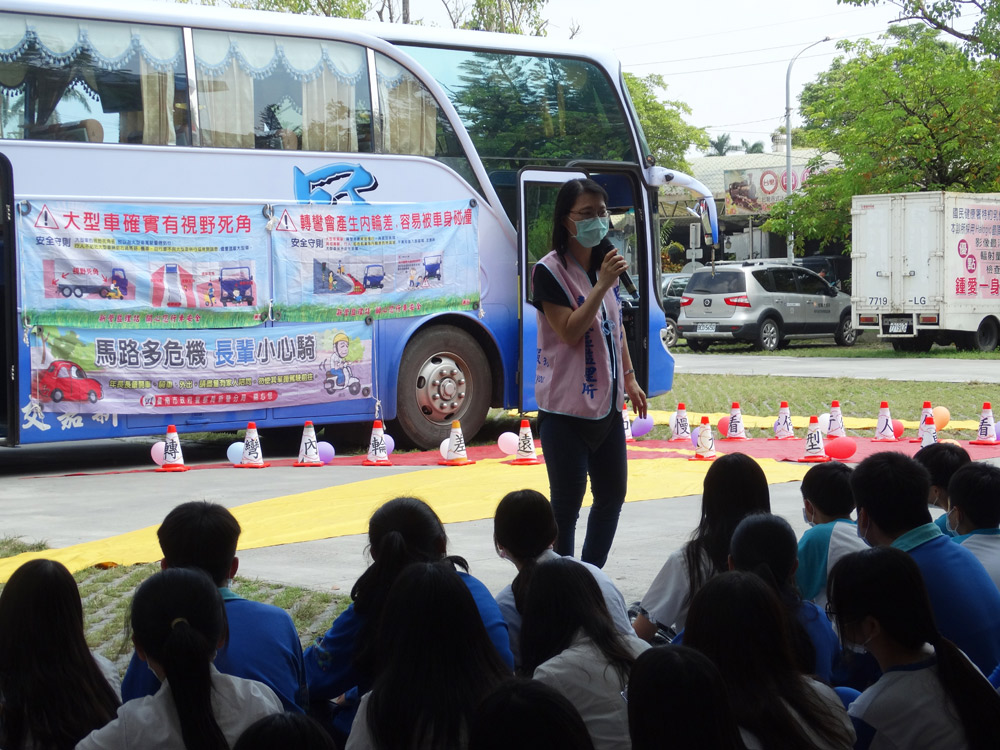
694 436
326 452
390 444
642 426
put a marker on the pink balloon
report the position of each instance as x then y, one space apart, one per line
642 426
507 443
157 452
326 452
694 435
897 428
724 426
842 448
390 444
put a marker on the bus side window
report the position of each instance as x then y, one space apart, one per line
93 81
409 112
266 92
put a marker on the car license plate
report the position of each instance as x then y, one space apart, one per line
706 328
897 326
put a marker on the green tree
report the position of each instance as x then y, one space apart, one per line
907 113
802 137
663 121
751 148
504 16
945 15
721 146
332 8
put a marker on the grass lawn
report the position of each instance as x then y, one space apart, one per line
867 347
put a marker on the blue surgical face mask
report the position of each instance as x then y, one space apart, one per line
805 517
953 530
863 535
589 232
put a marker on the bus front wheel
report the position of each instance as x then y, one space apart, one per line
443 376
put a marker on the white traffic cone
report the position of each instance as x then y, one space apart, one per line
253 457
378 453
929 432
925 412
836 429
987 427
456 448
173 458
814 444
883 428
706 442
526 455
308 448
679 425
628 425
783 424
736 430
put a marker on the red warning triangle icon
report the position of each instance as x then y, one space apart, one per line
46 219
285 223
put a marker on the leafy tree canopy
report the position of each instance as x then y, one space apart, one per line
721 146
907 113
757 147
668 135
945 15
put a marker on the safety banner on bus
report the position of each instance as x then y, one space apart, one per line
351 262
170 371
109 265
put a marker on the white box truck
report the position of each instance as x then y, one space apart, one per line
926 269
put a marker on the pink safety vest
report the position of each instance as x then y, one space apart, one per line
575 380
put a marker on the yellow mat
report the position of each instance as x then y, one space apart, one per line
457 494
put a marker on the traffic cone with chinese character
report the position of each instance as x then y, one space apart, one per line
628 425
736 430
378 453
987 427
836 428
883 427
253 457
814 444
308 448
679 425
783 424
928 432
173 458
922 425
705 450
456 448
526 455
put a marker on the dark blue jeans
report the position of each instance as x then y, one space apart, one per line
568 460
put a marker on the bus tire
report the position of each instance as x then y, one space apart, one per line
443 376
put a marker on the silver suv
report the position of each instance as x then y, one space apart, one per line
766 303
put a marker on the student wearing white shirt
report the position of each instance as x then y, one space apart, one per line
974 515
178 622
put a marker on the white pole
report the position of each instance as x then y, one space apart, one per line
788 143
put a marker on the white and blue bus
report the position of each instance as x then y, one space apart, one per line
211 216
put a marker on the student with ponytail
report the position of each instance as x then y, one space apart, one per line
341 665
930 695
178 621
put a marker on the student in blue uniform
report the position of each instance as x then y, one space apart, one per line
974 515
263 642
942 460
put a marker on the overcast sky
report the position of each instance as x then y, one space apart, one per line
726 59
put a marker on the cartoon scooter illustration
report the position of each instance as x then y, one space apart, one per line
339 376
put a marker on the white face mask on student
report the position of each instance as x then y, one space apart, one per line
953 530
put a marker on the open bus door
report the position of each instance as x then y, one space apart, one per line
537 190
8 310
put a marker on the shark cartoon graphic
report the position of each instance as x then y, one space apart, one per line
333 182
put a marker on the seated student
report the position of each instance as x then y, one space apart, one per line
524 531
942 460
974 494
737 621
569 642
54 691
341 664
890 491
294 731
677 700
734 487
528 715
263 642
930 695
434 664
827 505
178 621
765 544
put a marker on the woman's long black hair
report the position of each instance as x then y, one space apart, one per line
886 584
734 487
525 526
737 621
179 620
436 662
563 599
404 530
54 693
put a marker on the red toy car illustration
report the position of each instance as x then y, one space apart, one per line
65 381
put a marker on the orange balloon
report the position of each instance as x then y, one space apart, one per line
724 426
897 428
941 417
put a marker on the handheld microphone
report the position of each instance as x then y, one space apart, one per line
626 280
